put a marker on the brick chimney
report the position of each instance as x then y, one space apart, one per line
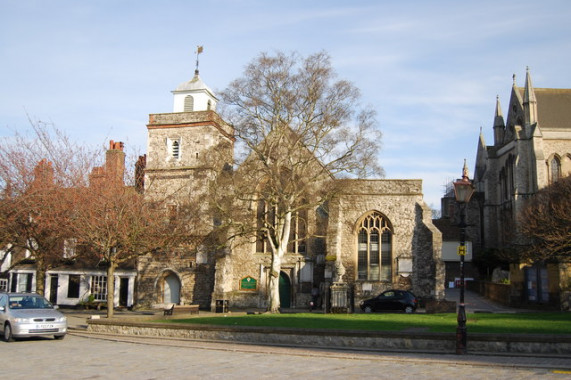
115 163
111 174
43 174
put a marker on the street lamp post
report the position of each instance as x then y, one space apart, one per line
463 190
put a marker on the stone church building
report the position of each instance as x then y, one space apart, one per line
531 150
373 236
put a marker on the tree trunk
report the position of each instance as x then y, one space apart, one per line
277 255
110 289
40 275
274 289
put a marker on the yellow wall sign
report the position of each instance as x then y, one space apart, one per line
248 283
462 250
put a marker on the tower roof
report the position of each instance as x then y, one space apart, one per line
194 85
194 95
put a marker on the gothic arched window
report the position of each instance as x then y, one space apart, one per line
374 251
555 169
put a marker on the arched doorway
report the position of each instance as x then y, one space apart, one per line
170 285
285 290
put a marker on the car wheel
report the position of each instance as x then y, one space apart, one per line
59 337
409 309
8 337
368 309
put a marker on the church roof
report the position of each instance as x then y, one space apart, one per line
553 107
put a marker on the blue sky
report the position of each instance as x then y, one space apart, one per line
431 69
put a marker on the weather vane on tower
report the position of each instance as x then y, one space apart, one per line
199 50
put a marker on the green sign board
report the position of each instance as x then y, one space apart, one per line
248 283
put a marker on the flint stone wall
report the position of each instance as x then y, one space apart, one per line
377 340
414 235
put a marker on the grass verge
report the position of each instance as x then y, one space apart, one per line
518 323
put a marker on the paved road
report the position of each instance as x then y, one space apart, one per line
98 357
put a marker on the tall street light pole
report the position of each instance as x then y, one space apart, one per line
463 190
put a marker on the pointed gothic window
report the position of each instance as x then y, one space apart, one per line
188 104
374 249
555 172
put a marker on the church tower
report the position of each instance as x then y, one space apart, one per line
185 146
185 149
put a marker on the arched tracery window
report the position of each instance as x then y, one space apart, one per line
374 252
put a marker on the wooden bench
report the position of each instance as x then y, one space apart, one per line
181 309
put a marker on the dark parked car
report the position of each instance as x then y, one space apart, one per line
391 300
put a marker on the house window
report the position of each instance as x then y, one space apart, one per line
374 249
3 285
99 288
22 282
73 286
188 104
555 169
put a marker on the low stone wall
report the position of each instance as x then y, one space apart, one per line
379 340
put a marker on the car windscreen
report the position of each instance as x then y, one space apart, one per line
28 302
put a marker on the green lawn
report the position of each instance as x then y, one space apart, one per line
529 323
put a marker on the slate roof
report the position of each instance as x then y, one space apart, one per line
553 107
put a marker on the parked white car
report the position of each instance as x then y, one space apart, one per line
24 315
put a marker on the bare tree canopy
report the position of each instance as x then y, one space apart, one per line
288 92
36 175
117 225
20 154
546 219
299 128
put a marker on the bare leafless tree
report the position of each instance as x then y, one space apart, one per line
118 224
298 128
36 173
546 220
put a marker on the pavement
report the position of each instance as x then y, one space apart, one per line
86 356
77 321
475 303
